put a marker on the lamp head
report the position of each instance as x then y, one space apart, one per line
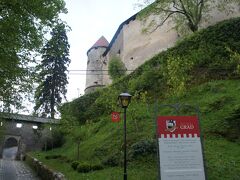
124 99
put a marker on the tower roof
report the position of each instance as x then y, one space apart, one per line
101 42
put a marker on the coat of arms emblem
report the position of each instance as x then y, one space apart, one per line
171 125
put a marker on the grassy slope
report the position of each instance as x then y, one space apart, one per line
222 156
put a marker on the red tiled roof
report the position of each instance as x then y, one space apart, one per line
101 42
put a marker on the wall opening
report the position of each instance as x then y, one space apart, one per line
10 148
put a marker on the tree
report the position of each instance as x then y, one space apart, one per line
53 77
183 12
116 68
22 27
78 138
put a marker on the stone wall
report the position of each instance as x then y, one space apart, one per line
28 138
42 170
135 47
94 77
140 47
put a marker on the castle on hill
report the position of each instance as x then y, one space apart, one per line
134 47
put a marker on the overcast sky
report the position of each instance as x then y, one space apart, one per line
89 20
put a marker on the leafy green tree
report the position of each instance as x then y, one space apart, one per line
22 27
53 72
78 137
189 13
116 68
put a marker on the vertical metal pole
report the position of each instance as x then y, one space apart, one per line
125 146
157 143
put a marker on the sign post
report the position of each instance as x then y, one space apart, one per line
180 148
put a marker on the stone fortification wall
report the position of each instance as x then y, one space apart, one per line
217 16
116 49
28 139
135 47
94 77
140 47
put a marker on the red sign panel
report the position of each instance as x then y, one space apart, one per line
178 126
180 149
115 116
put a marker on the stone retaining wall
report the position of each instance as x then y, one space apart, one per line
42 170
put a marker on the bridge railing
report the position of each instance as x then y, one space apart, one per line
23 117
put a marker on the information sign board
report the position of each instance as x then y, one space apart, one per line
180 148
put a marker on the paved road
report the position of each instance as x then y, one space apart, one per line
10 153
14 170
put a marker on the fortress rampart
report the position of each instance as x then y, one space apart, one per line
135 47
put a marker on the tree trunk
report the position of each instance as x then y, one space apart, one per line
78 150
52 103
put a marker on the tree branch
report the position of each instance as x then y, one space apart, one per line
201 4
171 13
174 5
191 23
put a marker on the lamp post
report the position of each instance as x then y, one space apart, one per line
124 100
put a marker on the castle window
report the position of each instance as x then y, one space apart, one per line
131 58
88 62
119 51
96 82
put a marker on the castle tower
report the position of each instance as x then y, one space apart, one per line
94 75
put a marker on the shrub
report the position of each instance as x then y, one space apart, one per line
151 78
55 156
233 124
116 68
112 160
58 138
74 164
95 167
176 74
83 167
78 107
143 147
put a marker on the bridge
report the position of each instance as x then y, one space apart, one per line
23 133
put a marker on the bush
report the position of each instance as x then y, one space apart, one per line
58 138
78 107
56 156
83 167
116 68
95 167
143 147
112 160
74 164
233 124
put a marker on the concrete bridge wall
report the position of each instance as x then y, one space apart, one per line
28 138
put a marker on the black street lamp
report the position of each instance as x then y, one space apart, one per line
124 100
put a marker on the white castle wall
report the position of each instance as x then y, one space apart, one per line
135 47
94 75
140 47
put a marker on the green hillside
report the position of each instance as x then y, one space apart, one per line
202 70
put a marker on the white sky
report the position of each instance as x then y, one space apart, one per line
89 20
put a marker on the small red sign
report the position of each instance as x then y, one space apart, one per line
115 116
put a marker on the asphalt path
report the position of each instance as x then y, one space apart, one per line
11 169
10 153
